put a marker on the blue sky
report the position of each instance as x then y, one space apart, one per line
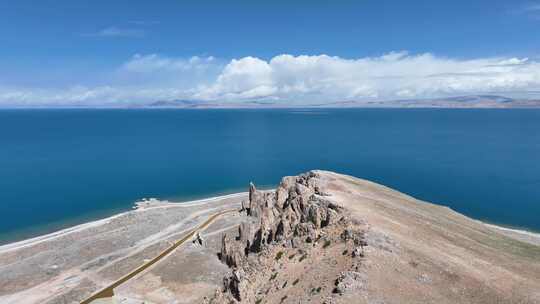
85 51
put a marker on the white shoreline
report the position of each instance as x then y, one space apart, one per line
154 203
66 231
514 230
518 234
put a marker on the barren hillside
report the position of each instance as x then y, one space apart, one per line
319 237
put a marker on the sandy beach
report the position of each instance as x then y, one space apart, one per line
39 269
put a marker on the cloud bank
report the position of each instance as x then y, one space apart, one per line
291 79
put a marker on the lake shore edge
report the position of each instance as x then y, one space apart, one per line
138 206
146 204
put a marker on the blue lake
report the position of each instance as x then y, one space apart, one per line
64 167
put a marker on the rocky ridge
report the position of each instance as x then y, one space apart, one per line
296 216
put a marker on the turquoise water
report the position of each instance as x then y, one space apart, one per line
63 167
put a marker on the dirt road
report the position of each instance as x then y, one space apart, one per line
108 291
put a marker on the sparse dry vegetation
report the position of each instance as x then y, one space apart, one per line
327 243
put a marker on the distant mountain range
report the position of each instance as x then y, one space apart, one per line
469 101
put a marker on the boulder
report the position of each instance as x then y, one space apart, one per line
350 282
358 252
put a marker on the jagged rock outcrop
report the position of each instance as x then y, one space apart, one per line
357 237
232 283
231 252
294 212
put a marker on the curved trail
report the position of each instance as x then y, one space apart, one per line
108 291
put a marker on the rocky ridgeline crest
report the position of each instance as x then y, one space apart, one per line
292 214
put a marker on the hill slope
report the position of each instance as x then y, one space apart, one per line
380 247
320 237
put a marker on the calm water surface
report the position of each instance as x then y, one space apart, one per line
63 167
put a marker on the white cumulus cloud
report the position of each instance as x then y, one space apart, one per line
394 75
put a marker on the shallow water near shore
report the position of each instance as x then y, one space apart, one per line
63 167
